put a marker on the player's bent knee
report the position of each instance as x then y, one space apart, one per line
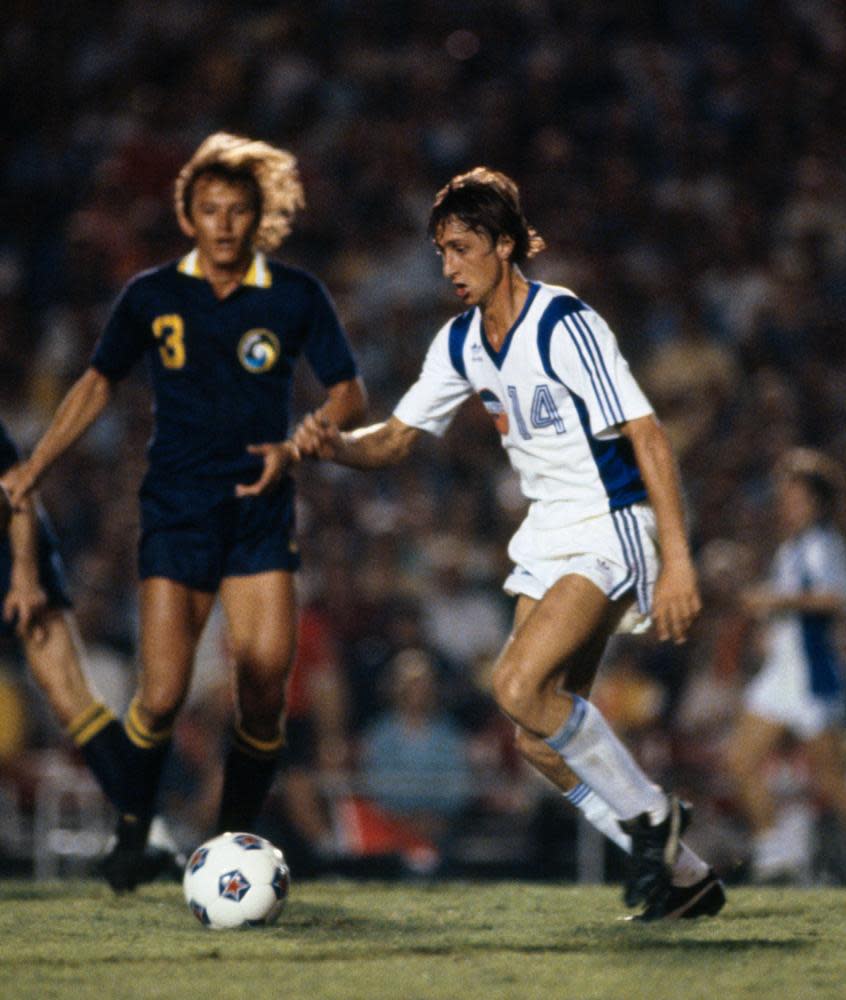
513 695
158 707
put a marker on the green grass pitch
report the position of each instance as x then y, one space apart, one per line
449 941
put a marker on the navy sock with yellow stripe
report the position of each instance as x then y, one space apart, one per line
248 774
145 756
103 743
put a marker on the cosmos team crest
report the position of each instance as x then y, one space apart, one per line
258 350
496 409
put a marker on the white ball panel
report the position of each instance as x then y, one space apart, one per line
258 902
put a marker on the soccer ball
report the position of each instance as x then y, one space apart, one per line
236 880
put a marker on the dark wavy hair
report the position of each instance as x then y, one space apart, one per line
487 201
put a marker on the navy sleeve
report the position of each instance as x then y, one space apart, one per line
327 348
124 339
8 451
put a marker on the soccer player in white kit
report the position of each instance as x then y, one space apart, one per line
799 687
605 497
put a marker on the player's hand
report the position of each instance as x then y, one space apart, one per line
278 457
18 482
676 601
317 437
25 602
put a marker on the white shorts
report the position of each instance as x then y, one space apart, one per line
780 692
617 551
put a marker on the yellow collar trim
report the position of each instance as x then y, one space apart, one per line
258 274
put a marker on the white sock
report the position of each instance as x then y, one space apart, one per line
599 814
689 867
588 745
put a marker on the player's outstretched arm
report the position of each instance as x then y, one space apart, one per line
345 405
85 401
763 602
365 448
25 599
676 601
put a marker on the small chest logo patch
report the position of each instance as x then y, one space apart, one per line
258 350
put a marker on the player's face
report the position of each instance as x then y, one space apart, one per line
471 261
223 222
797 507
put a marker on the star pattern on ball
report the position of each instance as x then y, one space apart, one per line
233 886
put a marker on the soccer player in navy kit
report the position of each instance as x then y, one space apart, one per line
605 496
221 331
36 610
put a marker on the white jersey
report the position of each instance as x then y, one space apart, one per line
815 561
799 684
557 390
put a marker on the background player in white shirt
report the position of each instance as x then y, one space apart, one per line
604 492
799 687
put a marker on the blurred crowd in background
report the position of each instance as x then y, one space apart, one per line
684 163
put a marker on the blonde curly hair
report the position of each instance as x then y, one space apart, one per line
274 172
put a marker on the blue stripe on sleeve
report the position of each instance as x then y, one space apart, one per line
604 378
598 388
457 337
614 458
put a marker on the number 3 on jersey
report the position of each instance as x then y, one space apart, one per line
544 412
169 331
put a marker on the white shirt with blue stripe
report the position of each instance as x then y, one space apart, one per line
813 562
557 390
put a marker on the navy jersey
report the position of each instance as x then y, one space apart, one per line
221 370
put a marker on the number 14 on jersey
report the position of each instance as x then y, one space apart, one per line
543 412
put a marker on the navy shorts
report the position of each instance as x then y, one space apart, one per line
197 538
51 573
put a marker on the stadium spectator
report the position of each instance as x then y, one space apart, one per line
413 758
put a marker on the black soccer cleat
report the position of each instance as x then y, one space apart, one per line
127 868
130 862
121 868
654 852
704 898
